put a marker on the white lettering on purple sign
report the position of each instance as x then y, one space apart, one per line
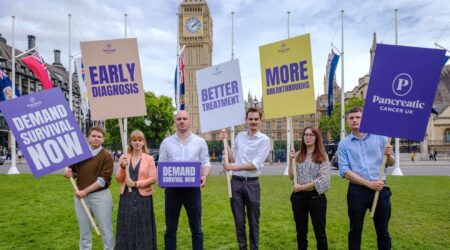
49 136
179 174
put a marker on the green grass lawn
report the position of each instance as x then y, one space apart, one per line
39 214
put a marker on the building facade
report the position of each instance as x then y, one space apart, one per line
27 83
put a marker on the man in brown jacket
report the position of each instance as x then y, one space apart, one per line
93 178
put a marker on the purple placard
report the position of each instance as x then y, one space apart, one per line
46 131
401 91
179 174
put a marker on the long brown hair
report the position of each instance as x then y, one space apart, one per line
318 155
137 134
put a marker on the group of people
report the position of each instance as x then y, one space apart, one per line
360 156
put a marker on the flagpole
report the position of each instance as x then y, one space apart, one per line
70 70
125 120
397 170
232 58
342 79
13 169
177 89
289 127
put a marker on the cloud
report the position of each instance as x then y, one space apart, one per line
154 24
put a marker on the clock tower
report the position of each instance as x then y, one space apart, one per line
195 32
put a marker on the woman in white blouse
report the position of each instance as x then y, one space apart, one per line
313 179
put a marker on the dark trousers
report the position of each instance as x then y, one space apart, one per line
192 200
246 194
303 204
359 199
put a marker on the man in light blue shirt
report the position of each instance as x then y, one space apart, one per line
360 156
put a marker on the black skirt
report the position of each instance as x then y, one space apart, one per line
136 227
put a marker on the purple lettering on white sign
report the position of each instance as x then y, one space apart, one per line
221 95
46 131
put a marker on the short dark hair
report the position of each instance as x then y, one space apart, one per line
355 109
253 110
98 129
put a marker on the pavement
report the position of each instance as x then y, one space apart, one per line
441 167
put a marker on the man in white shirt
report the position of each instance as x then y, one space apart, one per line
250 150
184 146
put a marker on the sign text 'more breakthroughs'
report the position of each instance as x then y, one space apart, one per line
46 131
287 77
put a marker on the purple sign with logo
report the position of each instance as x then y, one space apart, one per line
179 174
46 131
401 91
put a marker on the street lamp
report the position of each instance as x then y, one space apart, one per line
255 101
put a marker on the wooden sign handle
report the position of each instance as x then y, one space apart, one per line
380 177
124 148
292 161
225 155
85 207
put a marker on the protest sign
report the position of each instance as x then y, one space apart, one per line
220 97
401 91
287 77
179 174
113 78
46 131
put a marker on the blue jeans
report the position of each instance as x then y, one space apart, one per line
191 198
359 199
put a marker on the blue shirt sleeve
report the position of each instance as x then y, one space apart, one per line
343 160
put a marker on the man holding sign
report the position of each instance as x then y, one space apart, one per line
93 179
360 156
250 150
184 146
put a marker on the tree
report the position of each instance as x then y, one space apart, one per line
333 124
154 125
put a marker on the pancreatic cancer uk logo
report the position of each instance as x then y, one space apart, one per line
402 84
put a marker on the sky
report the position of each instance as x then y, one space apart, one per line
421 23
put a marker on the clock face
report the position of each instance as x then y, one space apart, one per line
192 25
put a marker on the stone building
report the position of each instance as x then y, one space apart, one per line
27 83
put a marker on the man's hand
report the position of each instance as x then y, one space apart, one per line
203 181
129 183
388 150
228 166
223 134
81 194
68 173
375 185
297 188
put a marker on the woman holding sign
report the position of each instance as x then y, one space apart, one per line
308 195
136 227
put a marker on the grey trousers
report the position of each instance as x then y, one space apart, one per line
246 194
101 206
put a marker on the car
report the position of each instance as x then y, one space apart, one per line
331 149
155 154
334 161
